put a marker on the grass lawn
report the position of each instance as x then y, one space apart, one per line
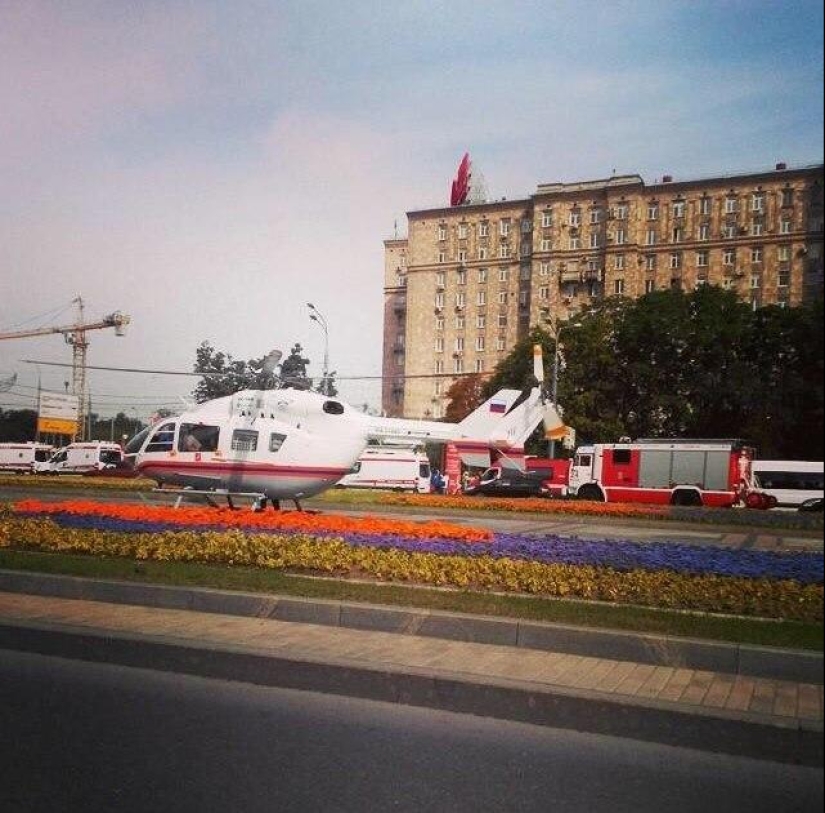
786 634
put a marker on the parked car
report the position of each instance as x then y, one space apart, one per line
814 504
499 481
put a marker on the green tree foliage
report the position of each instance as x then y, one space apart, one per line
17 425
224 375
701 364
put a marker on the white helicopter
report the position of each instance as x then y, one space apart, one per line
291 444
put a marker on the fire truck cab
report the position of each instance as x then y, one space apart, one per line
664 471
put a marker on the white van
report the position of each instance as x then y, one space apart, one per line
79 458
792 482
396 468
22 457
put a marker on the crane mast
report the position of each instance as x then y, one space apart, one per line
75 335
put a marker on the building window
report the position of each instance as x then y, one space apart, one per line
784 226
459 344
727 283
459 300
757 229
676 260
595 216
618 287
442 256
524 273
439 300
503 274
787 197
438 387
758 202
730 206
481 321
504 251
504 228
575 243
481 298
783 253
650 286
500 344
479 365
502 320
575 218
547 218
650 237
483 229
526 225
783 279
544 269
480 343
729 231
729 256
459 323
482 252
544 292
702 259
704 206
756 255
442 232
440 279
458 365
650 262
621 237
525 248
652 211
621 211
439 367
679 208
594 241
462 255
754 281
546 244
677 235
522 298
462 230
461 278
618 262
439 323
704 231
439 344
502 297
482 275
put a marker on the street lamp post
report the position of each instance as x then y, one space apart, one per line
554 388
318 317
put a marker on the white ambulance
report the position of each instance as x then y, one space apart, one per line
80 458
390 467
21 458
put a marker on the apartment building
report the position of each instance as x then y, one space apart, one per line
468 281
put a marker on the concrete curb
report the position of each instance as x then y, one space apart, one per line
658 650
742 735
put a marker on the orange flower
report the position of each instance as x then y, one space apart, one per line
286 521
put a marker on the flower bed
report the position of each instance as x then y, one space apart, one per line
760 583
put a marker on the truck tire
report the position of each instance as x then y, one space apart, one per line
590 492
686 497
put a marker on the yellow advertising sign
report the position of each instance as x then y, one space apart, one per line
56 426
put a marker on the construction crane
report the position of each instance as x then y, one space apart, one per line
75 335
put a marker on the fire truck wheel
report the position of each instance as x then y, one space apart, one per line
755 500
591 492
686 498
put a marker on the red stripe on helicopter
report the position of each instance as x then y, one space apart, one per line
244 468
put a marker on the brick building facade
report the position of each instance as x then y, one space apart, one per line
468 281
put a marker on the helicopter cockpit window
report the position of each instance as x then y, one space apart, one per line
276 440
244 440
197 437
333 408
134 444
162 439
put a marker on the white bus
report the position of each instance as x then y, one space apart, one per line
790 481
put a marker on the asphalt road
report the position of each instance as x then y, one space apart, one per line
91 737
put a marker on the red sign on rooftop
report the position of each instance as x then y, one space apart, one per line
461 183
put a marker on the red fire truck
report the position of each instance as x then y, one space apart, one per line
667 472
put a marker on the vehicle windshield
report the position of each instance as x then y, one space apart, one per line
134 445
110 456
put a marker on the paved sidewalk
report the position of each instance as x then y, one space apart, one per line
712 710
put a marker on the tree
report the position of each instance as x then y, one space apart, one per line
17 425
294 369
465 394
222 374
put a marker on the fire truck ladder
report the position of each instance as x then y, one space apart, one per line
75 335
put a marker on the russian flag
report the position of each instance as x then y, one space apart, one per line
498 407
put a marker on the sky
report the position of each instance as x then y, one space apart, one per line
210 167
